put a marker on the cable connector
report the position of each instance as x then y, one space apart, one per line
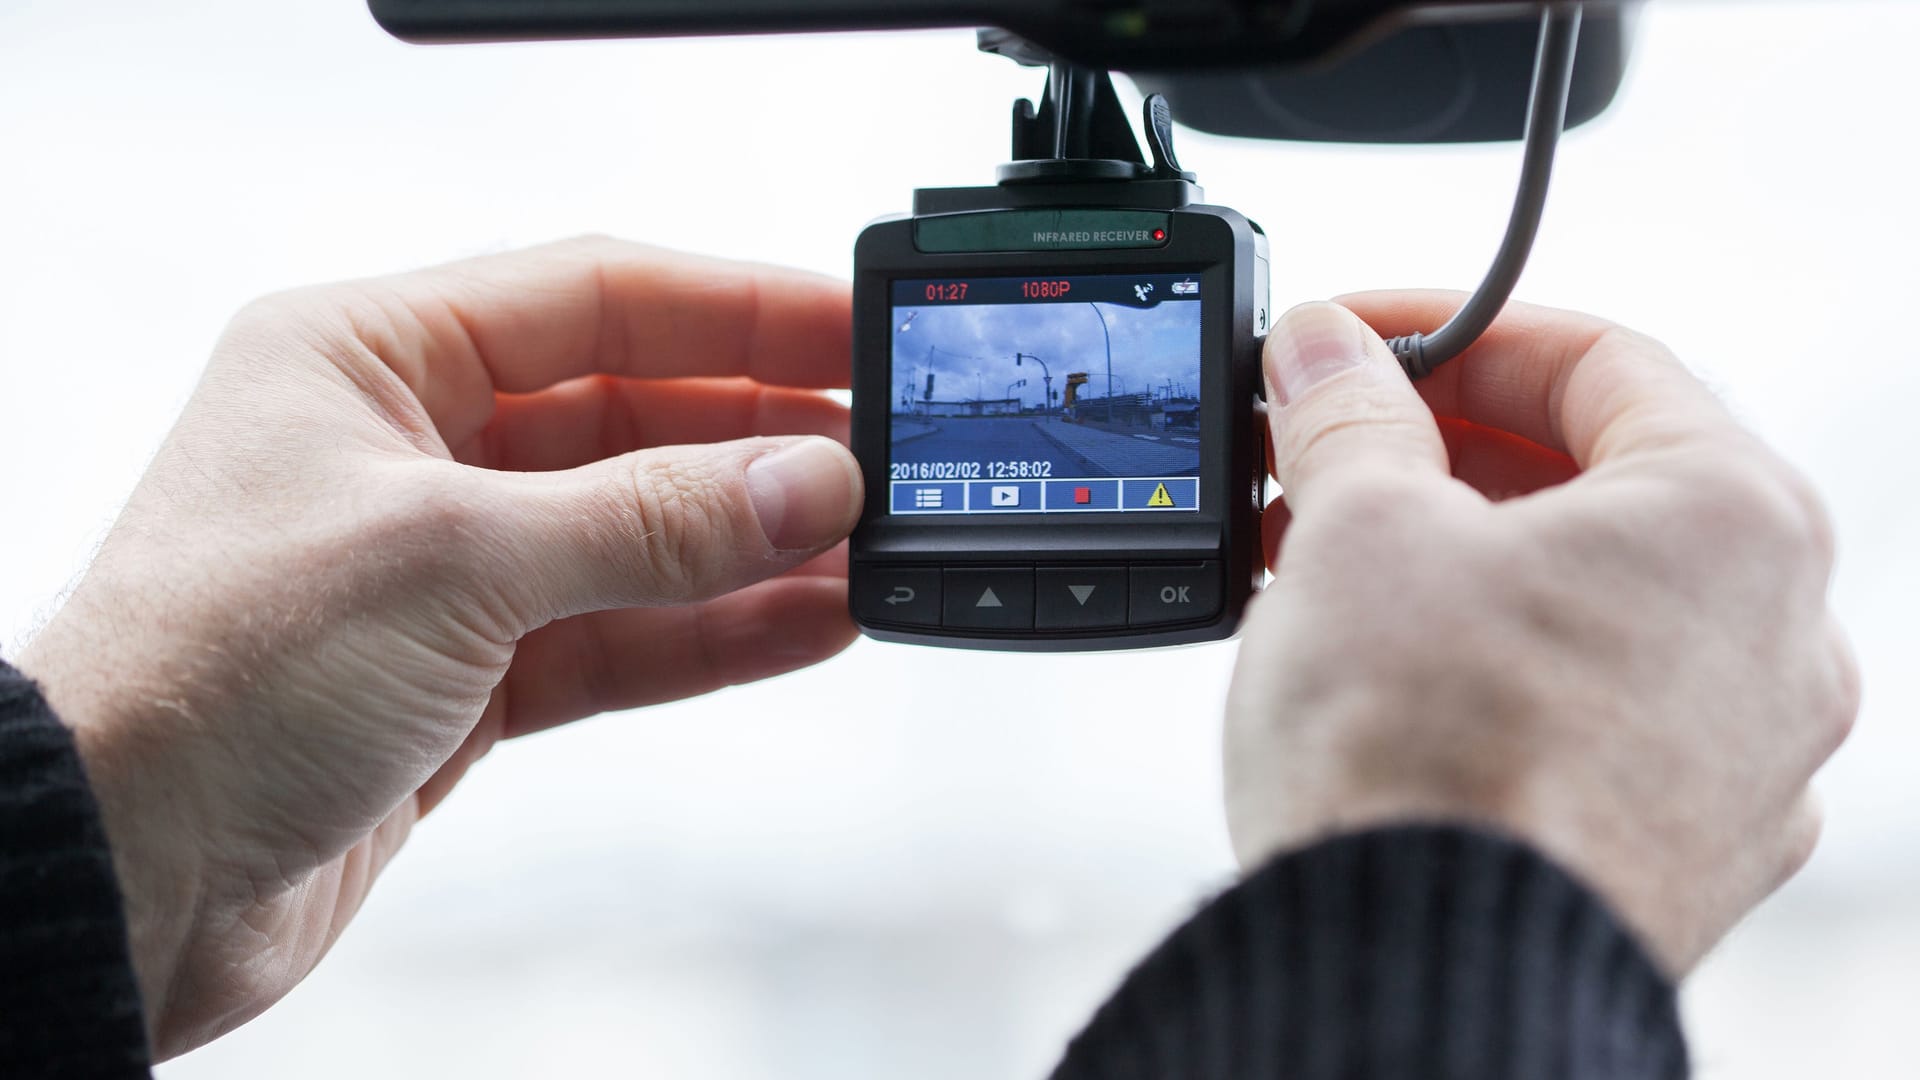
1411 351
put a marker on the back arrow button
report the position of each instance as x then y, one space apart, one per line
896 596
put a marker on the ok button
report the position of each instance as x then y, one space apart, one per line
1173 594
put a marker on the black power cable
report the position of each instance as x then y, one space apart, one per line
1420 354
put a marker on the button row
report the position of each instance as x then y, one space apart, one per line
1044 496
1022 599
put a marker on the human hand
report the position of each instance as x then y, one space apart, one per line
402 520
1624 656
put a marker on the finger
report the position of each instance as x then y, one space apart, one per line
1273 530
599 417
524 321
1500 465
1569 382
829 564
637 657
1495 463
661 527
1341 407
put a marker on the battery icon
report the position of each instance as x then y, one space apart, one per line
1186 288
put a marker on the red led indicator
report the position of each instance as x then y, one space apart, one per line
1159 235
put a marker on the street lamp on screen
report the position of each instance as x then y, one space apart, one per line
1104 332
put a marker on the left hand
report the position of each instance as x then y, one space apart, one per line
402 520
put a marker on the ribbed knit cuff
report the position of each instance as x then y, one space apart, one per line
69 1003
1416 953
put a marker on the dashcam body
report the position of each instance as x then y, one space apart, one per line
1054 388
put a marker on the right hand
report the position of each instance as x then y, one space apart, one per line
1556 591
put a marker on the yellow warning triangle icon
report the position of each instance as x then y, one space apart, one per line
1160 497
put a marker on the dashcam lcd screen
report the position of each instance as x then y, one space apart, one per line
1052 394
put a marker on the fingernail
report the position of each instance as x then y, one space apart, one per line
1309 345
804 494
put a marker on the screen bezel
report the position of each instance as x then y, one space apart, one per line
1199 244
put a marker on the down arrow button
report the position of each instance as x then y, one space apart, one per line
1080 598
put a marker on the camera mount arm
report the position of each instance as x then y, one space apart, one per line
1079 131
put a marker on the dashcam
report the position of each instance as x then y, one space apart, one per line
1054 395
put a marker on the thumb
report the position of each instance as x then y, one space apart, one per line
669 526
1343 408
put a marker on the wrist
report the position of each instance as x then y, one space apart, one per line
1542 814
157 862
1362 754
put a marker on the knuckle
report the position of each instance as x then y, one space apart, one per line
1611 337
1815 519
1803 836
299 307
268 319
268 310
435 520
672 527
590 242
344 323
594 253
1847 693
1776 504
1782 502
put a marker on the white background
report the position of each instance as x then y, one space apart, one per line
913 862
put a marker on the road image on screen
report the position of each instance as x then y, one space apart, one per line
1046 395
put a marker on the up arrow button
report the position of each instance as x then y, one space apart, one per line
988 598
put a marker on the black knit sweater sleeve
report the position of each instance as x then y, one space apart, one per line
1421 953
69 1006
